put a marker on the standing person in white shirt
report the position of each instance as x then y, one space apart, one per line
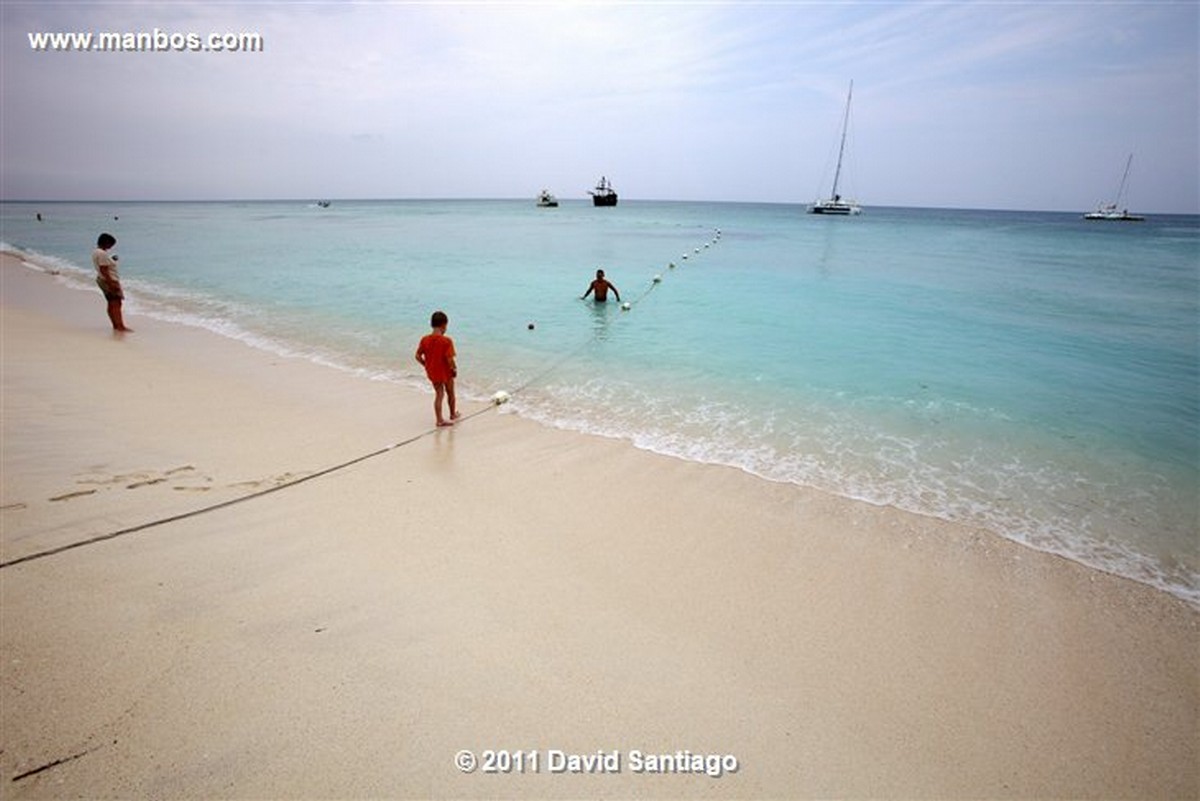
109 281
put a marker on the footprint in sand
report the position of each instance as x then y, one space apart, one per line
185 472
97 479
203 486
286 478
76 494
145 483
269 482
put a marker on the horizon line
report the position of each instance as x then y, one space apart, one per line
586 201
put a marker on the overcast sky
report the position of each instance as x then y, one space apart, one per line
959 104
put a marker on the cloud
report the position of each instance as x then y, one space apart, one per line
956 103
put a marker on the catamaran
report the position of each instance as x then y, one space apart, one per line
1113 211
835 203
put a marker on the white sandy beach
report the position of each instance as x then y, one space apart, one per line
500 585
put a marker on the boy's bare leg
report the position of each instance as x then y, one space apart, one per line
450 398
439 391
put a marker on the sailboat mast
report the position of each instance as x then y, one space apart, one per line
842 148
1124 177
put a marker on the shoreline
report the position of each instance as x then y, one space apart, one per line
507 586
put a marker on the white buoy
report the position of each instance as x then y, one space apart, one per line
625 306
500 398
685 257
658 279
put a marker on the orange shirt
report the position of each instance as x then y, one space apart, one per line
437 350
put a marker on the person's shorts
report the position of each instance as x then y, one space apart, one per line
109 295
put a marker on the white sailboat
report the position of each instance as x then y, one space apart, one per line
1113 211
835 203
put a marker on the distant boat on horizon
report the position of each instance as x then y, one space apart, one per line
834 204
546 200
1109 211
604 194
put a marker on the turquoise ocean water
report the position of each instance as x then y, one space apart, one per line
1030 373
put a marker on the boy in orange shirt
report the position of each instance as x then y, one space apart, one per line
436 354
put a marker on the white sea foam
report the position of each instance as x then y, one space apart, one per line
1044 506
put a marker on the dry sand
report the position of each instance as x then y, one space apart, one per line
499 585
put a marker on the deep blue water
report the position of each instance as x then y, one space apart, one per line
1032 373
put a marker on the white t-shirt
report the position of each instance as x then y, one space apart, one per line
100 258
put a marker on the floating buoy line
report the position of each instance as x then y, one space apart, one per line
498 399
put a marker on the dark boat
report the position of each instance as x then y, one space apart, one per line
604 195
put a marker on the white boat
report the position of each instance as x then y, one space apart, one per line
546 200
835 203
1113 211
1109 212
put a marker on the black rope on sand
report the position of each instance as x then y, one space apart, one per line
232 501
